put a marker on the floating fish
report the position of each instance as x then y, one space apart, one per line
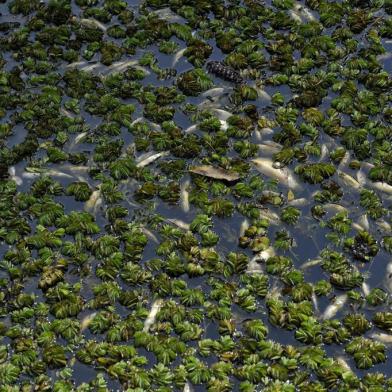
187 387
181 224
168 15
365 289
214 92
244 226
315 302
342 362
301 202
271 216
254 267
91 23
223 115
150 320
150 235
148 158
284 176
80 137
14 177
382 337
334 308
178 56
86 321
191 129
184 196
311 263
344 162
93 203
348 180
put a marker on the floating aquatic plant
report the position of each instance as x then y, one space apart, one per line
165 233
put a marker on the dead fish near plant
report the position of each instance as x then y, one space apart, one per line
334 308
215 172
284 175
150 320
150 158
224 72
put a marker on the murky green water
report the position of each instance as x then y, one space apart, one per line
165 229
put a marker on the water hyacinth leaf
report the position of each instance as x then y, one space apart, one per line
215 172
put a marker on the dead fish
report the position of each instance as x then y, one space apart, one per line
223 115
298 202
365 289
77 64
271 216
92 23
383 225
86 321
270 148
14 177
91 67
177 56
184 196
262 94
266 254
361 177
324 152
348 180
254 267
388 277
284 176
224 124
343 363
93 203
334 308
179 223
304 12
213 92
363 222
266 131
120 65
150 235
311 263
80 137
146 159
215 172
334 208
294 15
380 186
56 173
168 15
137 120
257 134
382 337
344 162
187 387
191 129
315 302
244 226
66 113
150 320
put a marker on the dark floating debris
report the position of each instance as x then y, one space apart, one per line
224 72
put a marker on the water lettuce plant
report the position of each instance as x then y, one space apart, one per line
195 195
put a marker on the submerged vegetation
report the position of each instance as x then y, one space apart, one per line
195 195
